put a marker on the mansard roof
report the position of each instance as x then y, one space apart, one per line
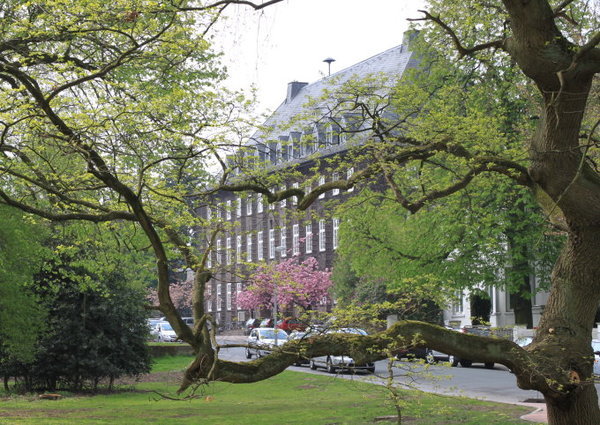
391 63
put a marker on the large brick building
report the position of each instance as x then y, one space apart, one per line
255 231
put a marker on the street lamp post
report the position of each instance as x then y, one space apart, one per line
278 249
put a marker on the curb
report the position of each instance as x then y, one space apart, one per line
539 415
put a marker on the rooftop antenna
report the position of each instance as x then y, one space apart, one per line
329 60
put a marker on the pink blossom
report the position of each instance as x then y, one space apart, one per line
298 284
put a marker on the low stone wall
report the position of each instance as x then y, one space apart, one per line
174 349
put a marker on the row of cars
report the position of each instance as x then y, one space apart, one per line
262 341
288 324
162 331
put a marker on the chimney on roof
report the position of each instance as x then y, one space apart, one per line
293 89
408 37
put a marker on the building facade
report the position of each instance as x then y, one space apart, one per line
253 231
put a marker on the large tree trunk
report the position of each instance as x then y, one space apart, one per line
565 330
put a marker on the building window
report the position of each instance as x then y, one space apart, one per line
209 258
329 135
283 241
219 297
259 203
322 182
249 205
228 251
295 198
209 303
238 248
271 243
228 296
349 173
219 251
335 177
208 213
309 238
259 245
238 207
295 239
228 210
248 248
238 289
336 228
321 235
284 201
457 304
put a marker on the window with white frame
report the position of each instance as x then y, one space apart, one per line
309 238
228 251
335 177
209 303
238 289
249 205
295 239
209 259
228 297
259 245
283 241
259 203
329 135
249 247
457 304
295 198
322 182
336 230
238 248
219 258
349 173
238 207
284 201
219 299
271 243
272 204
228 210
208 213
321 235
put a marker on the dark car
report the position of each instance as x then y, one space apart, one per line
266 323
251 324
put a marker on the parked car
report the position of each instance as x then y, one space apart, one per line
334 363
266 323
251 324
165 333
290 324
295 335
188 321
261 341
596 349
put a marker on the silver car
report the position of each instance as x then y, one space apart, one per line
334 363
261 341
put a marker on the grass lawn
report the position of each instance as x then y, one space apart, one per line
289 398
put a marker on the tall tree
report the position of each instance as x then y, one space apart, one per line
21 254
100 122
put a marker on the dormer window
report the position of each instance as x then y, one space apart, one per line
329 135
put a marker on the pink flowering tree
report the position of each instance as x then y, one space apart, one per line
181 294
299 284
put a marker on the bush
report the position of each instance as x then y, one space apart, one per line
96 329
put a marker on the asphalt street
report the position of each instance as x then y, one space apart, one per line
496 384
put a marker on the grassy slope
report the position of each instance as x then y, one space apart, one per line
289 398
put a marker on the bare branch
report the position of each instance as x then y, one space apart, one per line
226 3
462 51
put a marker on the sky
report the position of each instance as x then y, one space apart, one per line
288 41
